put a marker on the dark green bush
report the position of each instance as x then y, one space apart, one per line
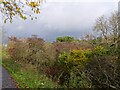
65 39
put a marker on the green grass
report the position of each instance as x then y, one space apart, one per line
27 77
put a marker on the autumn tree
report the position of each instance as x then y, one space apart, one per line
21 8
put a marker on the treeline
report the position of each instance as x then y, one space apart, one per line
92 62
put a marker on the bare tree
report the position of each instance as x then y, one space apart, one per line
119 31
108 29
113 24
102 27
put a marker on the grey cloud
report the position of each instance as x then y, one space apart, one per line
59 19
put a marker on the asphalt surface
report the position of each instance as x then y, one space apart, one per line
0 77
7 81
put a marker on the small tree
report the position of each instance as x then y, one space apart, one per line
65 39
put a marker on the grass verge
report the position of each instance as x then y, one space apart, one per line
26 76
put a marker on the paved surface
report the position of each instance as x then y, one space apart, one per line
0 77
7 81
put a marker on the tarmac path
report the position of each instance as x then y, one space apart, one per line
7 81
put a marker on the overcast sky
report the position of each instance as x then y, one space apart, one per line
62 17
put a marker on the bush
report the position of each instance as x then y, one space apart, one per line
75 57
65 39
99 50
102 69
78 80
72 62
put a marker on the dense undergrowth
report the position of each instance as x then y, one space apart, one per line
67 62
35 63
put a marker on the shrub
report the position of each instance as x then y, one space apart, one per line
72 62
25 50
102 69
65 39
78 80
99 50
75 57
